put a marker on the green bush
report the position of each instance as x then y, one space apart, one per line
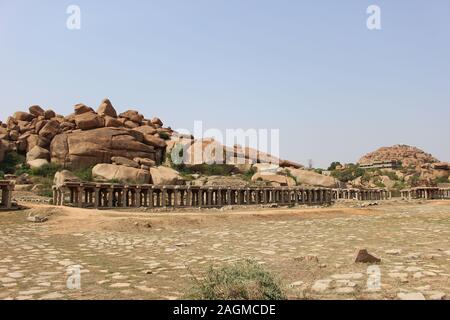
164 135
247 176
245 280
2 175
333 165
12 162
215 169
47 170
85 174
392 175
441 180
351 172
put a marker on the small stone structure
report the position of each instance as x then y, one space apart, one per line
361 194
6 188
427 193
105 195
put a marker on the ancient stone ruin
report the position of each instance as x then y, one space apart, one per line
6 189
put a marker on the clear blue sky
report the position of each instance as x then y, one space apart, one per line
311 68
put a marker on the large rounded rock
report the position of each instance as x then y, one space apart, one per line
312 178
49 114
36 164
34 140
107 109
133 116
89 121
165 176
37 111
108 172
124 162
64 176
275 180
112 122
87 148
23 116
82 108
38 153
50 130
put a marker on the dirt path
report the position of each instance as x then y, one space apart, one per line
144 255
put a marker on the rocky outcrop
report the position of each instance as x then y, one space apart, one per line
37 111
2 150
64 176
275 180
107 109
306 177
109 172
38 163
38 153
89 121
165 176
88 148
406 155
122 161
84 138
214 181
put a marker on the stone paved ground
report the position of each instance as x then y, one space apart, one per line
154 256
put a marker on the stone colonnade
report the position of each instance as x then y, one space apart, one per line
427 193
100 195
361 194
6 189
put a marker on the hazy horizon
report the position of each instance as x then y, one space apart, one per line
312 69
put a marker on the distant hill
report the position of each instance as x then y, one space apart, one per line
407 155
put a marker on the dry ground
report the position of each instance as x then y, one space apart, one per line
145 255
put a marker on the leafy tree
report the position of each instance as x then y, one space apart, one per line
333 165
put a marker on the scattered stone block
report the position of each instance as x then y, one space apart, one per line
363 256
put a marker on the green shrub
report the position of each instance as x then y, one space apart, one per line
47 170
12 162
2 175
164 135
351 172
441 180
85 174
215 169
23 169
415 180
48 193
333 165
400 185
115 181
245 280
247 176
392 175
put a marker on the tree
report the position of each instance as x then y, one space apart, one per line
333 165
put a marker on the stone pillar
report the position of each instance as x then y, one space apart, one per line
189 198
175 198
137 197
219 194
55 196
110 197
163 197
209 198
125 197
228 196
79 197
